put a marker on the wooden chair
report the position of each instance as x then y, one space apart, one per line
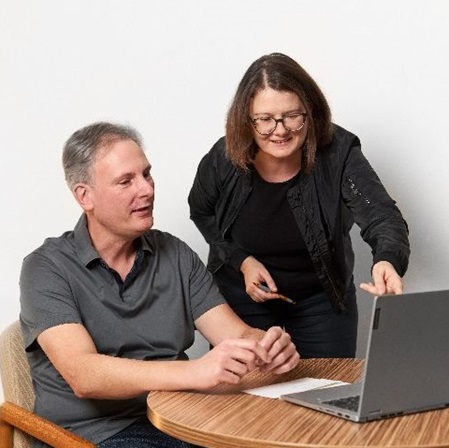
18 424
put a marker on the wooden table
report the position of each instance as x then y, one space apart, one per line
238 420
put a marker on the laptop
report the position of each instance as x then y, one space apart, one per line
406 363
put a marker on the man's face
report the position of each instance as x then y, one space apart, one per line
122 192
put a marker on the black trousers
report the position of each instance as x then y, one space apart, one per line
316 327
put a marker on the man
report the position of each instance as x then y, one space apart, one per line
109 309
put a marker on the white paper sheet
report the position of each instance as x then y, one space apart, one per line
276 390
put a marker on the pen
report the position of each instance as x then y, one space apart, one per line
281 296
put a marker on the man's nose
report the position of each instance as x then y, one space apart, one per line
146 186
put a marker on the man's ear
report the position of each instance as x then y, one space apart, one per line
83 195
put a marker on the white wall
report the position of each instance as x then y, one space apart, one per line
170 69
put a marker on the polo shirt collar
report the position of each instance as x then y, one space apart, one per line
85 249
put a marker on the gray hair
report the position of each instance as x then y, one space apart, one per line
81 148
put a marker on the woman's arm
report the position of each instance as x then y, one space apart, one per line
375 212
209 201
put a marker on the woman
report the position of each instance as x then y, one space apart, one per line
276 198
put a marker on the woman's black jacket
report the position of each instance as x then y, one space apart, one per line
342 189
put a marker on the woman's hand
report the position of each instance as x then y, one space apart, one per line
385 280
255 272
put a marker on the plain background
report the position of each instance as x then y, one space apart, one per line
170 68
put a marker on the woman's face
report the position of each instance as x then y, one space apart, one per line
281 143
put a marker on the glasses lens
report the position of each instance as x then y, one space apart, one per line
294 122
265 125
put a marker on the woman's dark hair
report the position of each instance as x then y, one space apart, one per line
279 72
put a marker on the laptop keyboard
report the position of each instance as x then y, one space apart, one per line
350 403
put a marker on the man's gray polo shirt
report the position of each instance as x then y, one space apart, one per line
149 316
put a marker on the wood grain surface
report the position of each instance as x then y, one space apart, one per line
229 418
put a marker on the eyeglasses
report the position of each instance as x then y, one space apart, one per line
291 122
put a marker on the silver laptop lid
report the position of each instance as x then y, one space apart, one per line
407 363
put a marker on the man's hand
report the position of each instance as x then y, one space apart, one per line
281 351
229 362
239 349
385 280
232 359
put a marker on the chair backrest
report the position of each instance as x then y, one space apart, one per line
15 374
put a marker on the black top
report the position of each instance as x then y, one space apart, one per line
266 229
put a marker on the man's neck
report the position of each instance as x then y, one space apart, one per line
118 252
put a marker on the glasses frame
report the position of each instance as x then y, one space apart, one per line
280 120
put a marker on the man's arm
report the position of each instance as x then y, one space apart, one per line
90 374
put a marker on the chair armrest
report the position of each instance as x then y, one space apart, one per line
38 427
